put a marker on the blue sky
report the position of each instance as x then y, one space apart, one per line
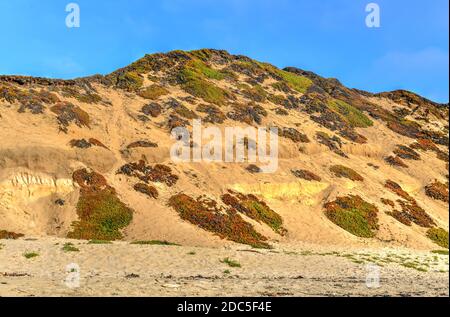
329 37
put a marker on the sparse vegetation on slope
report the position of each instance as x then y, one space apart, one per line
255 209
226 223
346 172
437 191
410 212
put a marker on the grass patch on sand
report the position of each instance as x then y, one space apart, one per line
231 263
30 255
154 242
441 252
94 241
69 247
354 215
438 236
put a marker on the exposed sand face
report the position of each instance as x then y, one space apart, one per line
122 269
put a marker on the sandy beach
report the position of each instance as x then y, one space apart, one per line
122 269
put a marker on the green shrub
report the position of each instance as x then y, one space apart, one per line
354 215
255 209
231 263
30 255
101 213
351 115
346 172
69 247
153 92
130 81
225 223
438 236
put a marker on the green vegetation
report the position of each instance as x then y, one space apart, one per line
194 78
295 82
30 255
354 215
255 209
441 252
349 114
346 172
69 247
95 241
231 263
438 236
255 93
153 92
130 81
226 223
101 213
155 242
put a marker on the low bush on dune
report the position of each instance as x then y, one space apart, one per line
130 81
249 114
406 153
87 96
153 109
226 223
333 143
158 173
306 175
255 209
195 78
153 92
346 172
410 211
148 190
142 144
102 215
438 236
6 235
293 135
255 93
354 215
214 114
438 191
395 161
351 115
68 113
29 100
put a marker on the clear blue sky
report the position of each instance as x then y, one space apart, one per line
329 37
